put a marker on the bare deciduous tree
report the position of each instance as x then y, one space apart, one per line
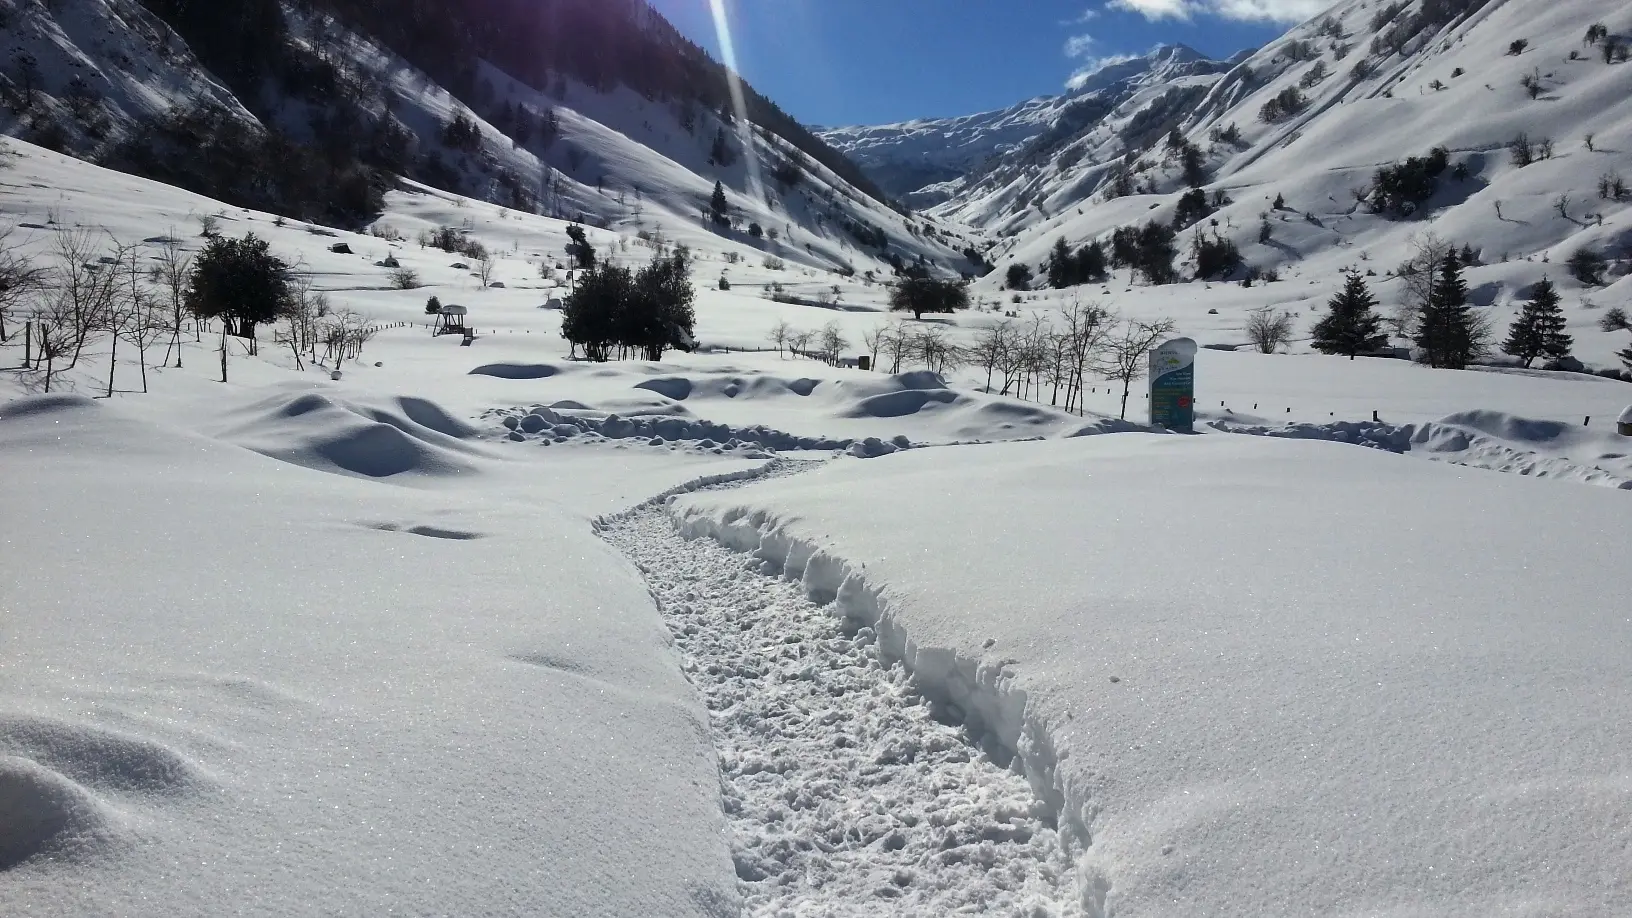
305 313
133 311
875 338
1428 251
1085 326
344 333
779 335
830 343
484 269
931 346
81 286
20 279
171 271
54 338
991 348
1269 329
799 342
1125 356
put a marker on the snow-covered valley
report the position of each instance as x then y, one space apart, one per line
469 624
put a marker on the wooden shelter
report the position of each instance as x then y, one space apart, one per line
450 320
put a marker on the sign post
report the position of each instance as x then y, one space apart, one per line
1173 385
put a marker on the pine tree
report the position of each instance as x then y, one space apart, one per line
1062 267
1450 333
720 153
1539 329
1626 357
1352 325
1090 263
719 210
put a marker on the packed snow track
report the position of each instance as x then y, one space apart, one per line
848 793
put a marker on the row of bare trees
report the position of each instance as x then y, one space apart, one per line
311 320
88 289
1059 357
92 290
1030 360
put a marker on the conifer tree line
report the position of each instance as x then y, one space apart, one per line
1447 330
1070 269
613 310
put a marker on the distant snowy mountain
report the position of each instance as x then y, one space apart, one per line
904 158
928 161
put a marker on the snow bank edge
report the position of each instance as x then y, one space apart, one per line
982 693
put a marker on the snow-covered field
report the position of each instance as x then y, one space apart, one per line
1252 677
296 644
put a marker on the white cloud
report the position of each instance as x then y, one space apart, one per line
1272 10
1157 9
1079 45
1088 15
1095 65
1248 10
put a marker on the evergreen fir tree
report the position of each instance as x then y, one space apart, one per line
1062 267
1090 263
1539 329
1450 334
1352 325
719 210
720 153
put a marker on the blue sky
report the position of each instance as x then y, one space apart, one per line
837 62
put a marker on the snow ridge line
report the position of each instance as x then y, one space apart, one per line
981 694
770 468
1439 441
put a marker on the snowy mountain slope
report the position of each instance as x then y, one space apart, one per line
1456 83
601 154
927 162
83 74
1375 108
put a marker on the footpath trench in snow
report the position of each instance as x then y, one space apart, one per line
845 793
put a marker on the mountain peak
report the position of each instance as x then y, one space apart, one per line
1160 60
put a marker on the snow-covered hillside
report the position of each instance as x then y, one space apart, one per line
112 82
1363 97
930 161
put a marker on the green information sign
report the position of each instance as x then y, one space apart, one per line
1173 385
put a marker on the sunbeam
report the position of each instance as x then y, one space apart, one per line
745 130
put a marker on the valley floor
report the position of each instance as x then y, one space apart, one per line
489 630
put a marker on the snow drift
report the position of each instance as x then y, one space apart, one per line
1332 694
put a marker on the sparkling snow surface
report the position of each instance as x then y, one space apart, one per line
1256 677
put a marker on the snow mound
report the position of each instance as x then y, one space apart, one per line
675 387
402 437
680 388
902 403
1482 439
48 816
55 776
38 405
516 370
